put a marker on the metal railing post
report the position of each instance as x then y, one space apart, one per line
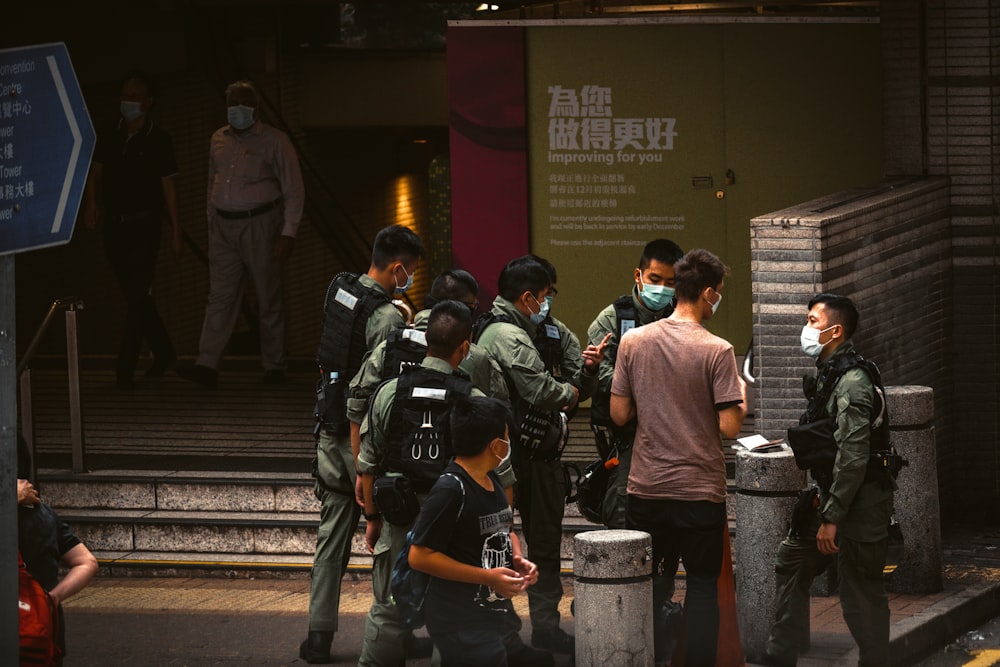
28 420
73 368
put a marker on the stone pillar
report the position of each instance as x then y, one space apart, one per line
613 598
917 509
767 485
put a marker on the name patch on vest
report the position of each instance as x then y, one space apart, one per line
552 331
432 393
416 336
346 299
627 325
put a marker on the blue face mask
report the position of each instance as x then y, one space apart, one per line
409 280
656 297
130 110
543 310
240 116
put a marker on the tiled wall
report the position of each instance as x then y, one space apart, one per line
942 117
889 249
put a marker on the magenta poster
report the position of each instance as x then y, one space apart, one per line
488 137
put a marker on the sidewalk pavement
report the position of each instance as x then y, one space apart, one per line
199 621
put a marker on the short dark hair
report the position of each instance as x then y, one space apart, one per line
243 85
455 284
523 274
661 250
145 78
844 312
396 242
476 421
449 325
697 270
550 268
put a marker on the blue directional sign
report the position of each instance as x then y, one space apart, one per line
46 142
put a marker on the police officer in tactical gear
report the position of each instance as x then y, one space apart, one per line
358 314
851 518
652 298
546 374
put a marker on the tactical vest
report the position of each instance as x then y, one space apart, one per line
626 318
540 435
349 304
404 347
813 442
418 435
342 346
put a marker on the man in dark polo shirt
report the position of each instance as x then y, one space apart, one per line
131 185
255 201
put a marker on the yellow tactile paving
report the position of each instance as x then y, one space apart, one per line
245 596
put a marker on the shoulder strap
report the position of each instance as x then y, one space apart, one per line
461 485
485 320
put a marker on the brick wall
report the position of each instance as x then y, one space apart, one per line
889 249
942 117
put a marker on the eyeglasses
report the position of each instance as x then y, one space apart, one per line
472 306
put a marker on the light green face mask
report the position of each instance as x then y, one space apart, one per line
656 297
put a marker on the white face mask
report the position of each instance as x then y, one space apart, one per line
506 457
715 306
809 340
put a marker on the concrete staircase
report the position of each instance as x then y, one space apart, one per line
199 523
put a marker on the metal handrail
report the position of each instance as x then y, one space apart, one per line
68 302
71 305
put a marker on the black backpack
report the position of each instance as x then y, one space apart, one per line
409 586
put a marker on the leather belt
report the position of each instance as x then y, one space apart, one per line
253 212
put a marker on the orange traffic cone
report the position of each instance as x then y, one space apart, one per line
730 651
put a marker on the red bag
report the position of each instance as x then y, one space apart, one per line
38 620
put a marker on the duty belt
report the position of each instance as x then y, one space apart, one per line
253 212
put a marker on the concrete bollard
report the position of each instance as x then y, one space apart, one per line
767 485
613 598
917 508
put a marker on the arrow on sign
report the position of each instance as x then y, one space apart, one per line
74 129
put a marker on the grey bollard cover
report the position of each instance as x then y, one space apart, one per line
916 502
613 598
767 485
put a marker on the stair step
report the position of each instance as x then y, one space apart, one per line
213 523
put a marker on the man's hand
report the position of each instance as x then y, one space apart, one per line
359 492
373 530
27 494
283 248
593 355
574 400
826 539
527 569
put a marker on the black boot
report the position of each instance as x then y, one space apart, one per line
316 648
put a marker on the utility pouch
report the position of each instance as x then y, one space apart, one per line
542 435
396 500
813 444
331 404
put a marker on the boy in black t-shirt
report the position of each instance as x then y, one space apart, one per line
463 539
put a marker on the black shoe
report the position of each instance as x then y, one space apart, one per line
160 366
203 375
274 376
525 656
316 648
416 648
556 640
772 661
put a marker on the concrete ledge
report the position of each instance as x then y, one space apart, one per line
931 629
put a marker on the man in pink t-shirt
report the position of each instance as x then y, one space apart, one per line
682 385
